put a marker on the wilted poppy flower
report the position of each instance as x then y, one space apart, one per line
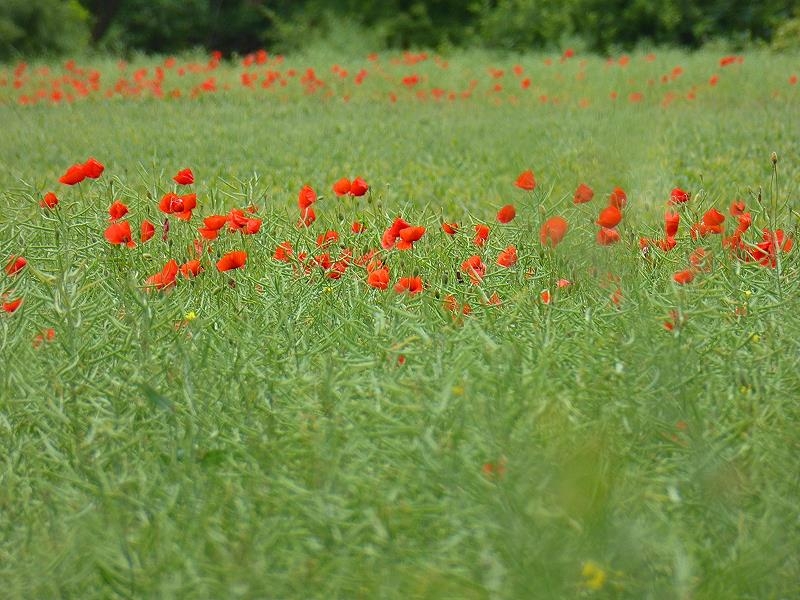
117 210
678 196
508 257
507 213
618 198
583 194
75 174
562 283
412 285
481 234
15 264
148 230
379 278
232 260
359 187
609 217
11 305
50 200
191 269
184 177
526 181
671 222
120 233
683 277
450 228
342 187
475 268
553 231
93 168
165 278
606 236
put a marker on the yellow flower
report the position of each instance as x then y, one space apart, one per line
593 576
190 316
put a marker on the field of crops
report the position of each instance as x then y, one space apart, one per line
402 326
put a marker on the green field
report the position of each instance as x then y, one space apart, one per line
273 432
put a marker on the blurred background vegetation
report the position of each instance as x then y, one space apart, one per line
53 27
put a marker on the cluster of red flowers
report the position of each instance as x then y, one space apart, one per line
333 256
412 77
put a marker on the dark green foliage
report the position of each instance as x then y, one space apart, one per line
284 25
35 27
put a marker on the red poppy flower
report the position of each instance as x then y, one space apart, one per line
766 251
180 206
15 264
671 222
609 217
208 234
46 335
232 260
606 237
618 198
379 278
357 227
526 181
215 222
120 233
481 234
713 218
165 278
409 235
11 305
117 210
412 285
562 283
307 217
553 231
184 177
327 238
683 277
508 257
507 213
252 226
475 268
342 187
191 269
450 228
545 296
148 230
50 200
306 198
75 174
283 252
359 187
391 235
93 168
583 194
737 208
678 196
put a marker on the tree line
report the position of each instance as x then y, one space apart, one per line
35 27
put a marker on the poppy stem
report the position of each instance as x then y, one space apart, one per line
773 223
